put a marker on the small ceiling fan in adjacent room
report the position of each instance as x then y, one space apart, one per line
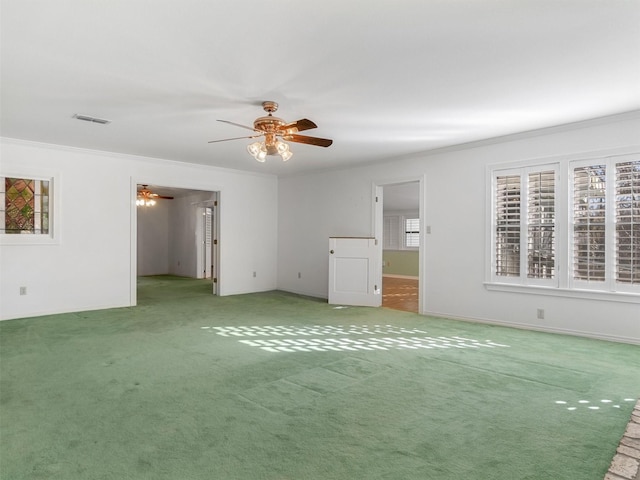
275 130
146 198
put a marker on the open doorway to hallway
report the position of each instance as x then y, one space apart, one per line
401 246
177 235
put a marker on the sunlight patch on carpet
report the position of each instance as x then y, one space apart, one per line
303 330
351 338
593 405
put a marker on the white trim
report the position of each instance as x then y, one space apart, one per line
53 237
624 297
422 213
425 154
538 328
58 311
133 247
167 182
127 156
566 158
406 277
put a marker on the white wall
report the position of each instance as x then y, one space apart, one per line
90 267
167 236
153 239
182 234
340 203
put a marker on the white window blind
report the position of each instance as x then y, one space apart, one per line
627 205
412 232
541 198
401 231
571 225
391 233
589 223
507 221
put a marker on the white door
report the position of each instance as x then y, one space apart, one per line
207 242
203 242
353 272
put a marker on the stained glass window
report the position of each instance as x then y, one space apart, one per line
24 206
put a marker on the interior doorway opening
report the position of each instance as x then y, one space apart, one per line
176 235
401 244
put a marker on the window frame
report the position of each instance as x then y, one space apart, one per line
566 287
53 236
406 232
522 278
396 220
610 283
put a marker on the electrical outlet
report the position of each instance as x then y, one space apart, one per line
254 274
23 290
299 274
541 313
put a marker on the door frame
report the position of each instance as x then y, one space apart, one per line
133 226
377 222
213 250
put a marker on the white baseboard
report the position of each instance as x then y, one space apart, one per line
392 275
538 328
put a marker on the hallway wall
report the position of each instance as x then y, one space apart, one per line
153 239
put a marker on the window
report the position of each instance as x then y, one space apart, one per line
26 210
524 225
573 225
605 208
411 232
507 226
589 223
24 206
541 218
401 231
627 204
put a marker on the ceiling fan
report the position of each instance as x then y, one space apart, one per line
275 130
146 198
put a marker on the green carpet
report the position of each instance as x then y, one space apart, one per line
276 386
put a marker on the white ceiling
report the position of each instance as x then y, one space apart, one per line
401 197
382 79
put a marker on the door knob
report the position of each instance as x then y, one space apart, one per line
331 252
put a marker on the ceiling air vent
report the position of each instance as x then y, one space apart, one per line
88 118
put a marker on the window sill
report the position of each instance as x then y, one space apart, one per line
624 297
27 239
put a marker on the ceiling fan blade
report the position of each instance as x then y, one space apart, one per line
240 125
234 138
297 126
162 196
320 142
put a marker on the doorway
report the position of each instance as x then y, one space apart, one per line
177 236
401 245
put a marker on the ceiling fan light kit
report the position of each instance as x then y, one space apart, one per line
146 198
275 130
